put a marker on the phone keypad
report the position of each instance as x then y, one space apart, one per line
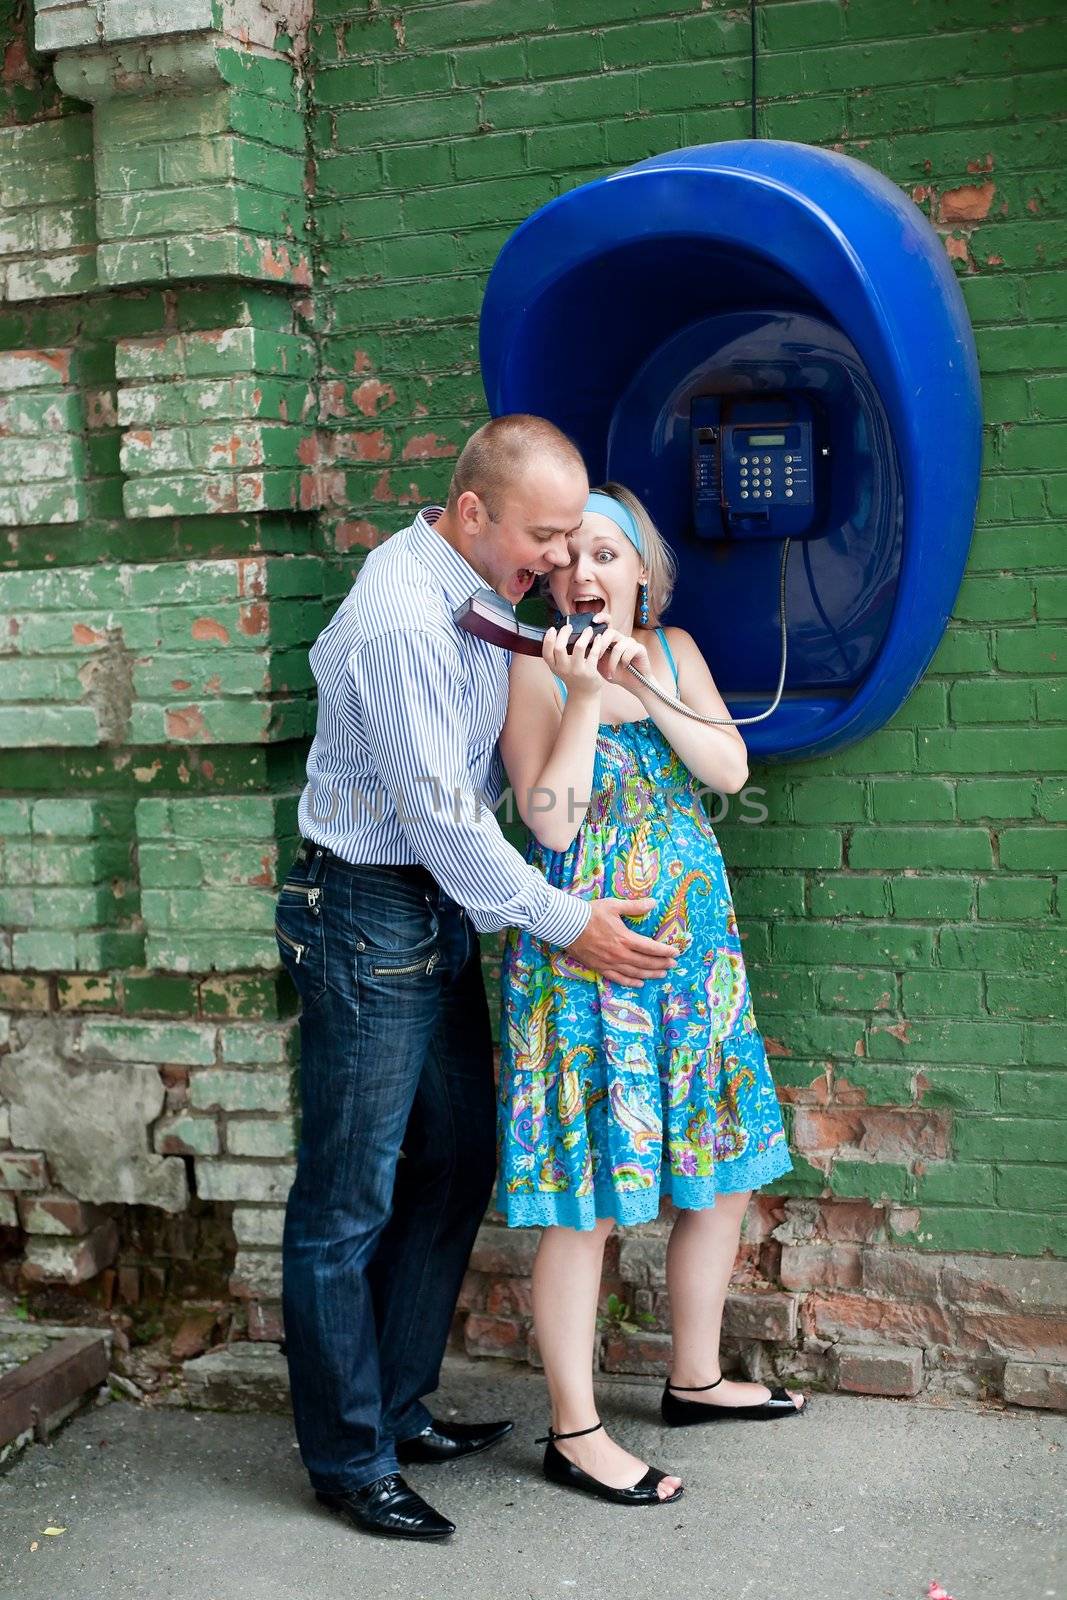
776 477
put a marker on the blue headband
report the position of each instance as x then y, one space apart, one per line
606 506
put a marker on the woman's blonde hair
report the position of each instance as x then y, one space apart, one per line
658 557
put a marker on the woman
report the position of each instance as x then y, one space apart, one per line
613 1097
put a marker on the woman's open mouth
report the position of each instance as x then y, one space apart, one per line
586 606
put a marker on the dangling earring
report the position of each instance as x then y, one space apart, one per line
643 605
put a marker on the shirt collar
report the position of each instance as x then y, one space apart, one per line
456 576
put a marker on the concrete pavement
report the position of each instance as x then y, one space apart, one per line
861 1499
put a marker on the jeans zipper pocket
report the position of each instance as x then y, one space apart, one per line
297 949
311 893
425 966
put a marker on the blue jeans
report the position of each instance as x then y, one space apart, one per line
396 1156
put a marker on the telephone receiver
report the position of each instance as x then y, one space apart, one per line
488 616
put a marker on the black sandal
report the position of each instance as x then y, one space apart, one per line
559 1470
684 1413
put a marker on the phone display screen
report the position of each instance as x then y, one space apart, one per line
757 439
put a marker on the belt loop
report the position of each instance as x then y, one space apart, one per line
316 860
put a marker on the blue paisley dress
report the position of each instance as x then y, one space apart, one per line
610 1096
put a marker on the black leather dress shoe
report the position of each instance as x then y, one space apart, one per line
450 1441
389 1506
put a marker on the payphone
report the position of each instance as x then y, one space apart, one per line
753 467
766 343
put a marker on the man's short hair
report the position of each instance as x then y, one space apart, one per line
501 452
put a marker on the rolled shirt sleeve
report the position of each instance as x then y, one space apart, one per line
410 684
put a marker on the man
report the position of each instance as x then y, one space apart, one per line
400 855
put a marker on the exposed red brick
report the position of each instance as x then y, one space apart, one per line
815 1093
81 634
207 630
361 444
74 1260
274 265
365 534
1028 1383
509 1297
265 878
253 619
184 722
862 1369
969 203
472 1293
821 1266
16 67
836 1316
319 489
223 494
1006 1284
265 1321
765 1212
1041 1338
494 1336
194 1335
882 1131
427 447
20 1170
504 1252
768 1316
333 400
901 1274
228 450
826 1130
251 576
129 1285
641 1261
857 1220
59 359
648 1353
72 1216
371 396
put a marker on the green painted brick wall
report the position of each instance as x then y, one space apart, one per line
901 906
901 903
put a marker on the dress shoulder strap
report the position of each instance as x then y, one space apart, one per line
662 637
562 685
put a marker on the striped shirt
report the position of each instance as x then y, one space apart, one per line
404 768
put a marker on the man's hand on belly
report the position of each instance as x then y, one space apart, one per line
608 946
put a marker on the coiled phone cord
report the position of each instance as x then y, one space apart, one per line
733 722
